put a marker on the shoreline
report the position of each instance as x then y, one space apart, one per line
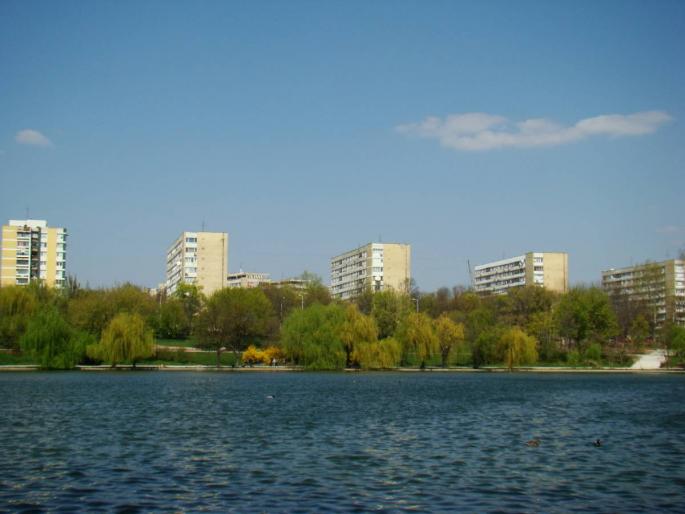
291 369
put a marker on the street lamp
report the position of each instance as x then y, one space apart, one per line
417 303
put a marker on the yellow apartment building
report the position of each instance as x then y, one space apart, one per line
379 266
33 252
199 258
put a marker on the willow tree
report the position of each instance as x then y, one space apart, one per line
383 354
125 339
311 337
450 336
17 305
51 342
357 328
515 347
417 335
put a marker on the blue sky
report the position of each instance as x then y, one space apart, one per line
304 129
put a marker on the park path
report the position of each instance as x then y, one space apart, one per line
650 360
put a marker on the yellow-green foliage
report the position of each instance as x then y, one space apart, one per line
384 354
515 347
125 339
253 355
311 337
356 329
17 305
417 335
274 352
51 342
450 335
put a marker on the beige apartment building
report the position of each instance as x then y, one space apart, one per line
33 252
199 258
379 266
247 279
546 269
659 285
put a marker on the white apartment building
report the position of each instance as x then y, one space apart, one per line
660 286
247 279
199 258
31 251
378 266
546 269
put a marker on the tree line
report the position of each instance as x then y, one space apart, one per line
307 328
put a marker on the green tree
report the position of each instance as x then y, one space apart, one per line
515 347
357 328
191 299
284 300
52 342
525 303
417 335
450 336
231 319
543 327
311 337
93 310
639 330
388 309
364 301
173 320
585 315
125 339
484 346
17 305
675 344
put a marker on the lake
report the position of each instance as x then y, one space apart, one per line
216 442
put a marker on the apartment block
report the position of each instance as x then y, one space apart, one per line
546 269
379 266
33 252
247 279
199 258
659 285
299 284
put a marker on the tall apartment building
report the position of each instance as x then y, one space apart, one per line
547 269
660 285
199 258
247 279
31 252
379 266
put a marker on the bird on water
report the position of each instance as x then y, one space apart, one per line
533 443
597 443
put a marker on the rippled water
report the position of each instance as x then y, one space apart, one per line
131 442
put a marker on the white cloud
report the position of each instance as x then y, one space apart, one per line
482 131
32 137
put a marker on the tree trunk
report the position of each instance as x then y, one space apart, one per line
218 357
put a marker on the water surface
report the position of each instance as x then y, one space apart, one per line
214 442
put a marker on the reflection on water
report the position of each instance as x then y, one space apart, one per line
133 442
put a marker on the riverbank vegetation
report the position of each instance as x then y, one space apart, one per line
276 325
